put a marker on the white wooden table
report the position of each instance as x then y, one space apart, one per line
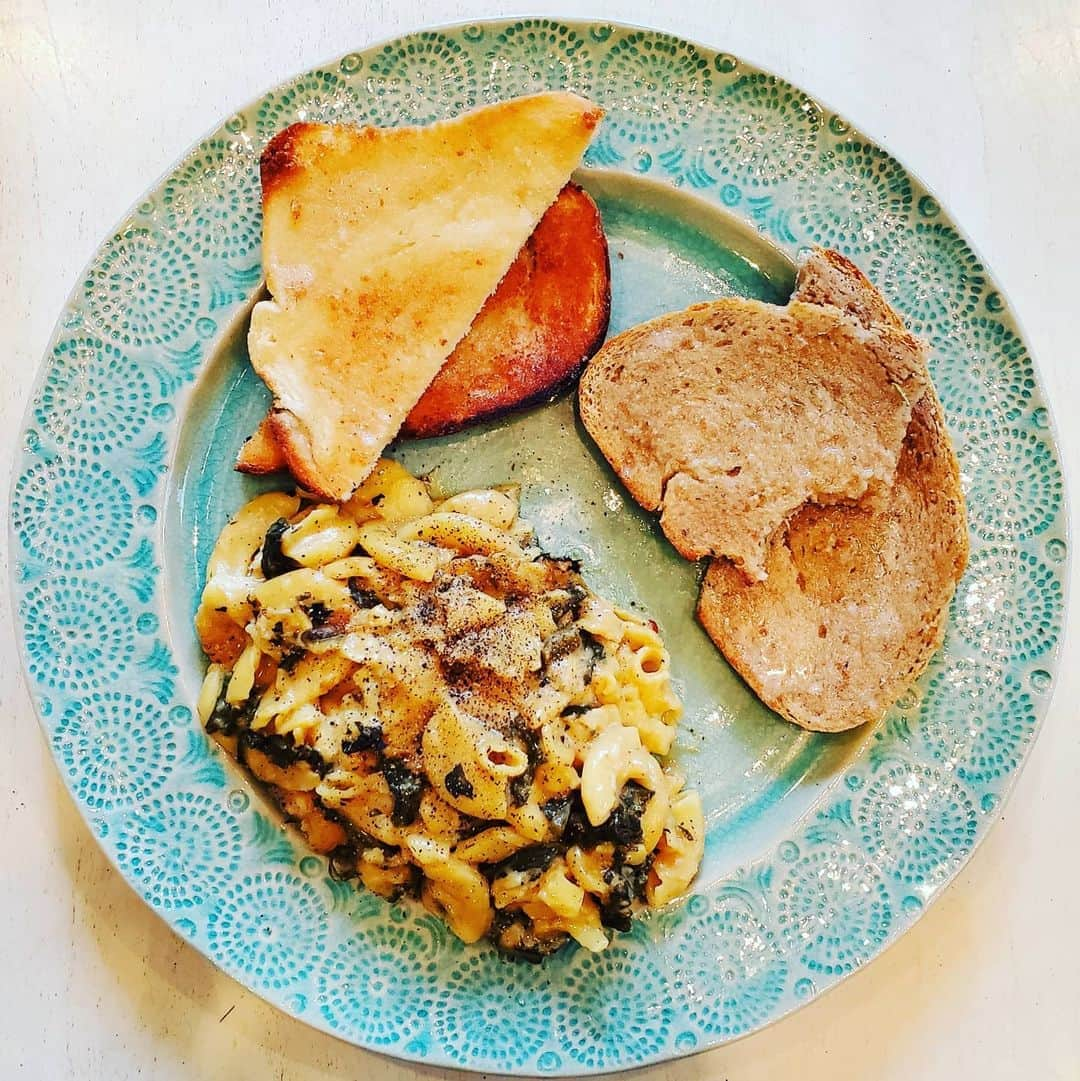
981 98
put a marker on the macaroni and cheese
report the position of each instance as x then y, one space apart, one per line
447 712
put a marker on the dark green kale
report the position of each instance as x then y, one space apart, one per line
274 561
521 785
627 885
561 644
575 711
622 827
290 659
406 787
557 811
514 935
317 612
227 718
568 607
458 785
283 751
369 737
533 860
362 597
520 788
593 644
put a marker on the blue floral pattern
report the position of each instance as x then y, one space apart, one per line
538 54
377 986
983 370
271 925
78 633
598 1024
739 140
115 748
214 202
468 1013
1008 601
182 848
834 909
735 947
317 97
858 196
115 692
670 79
140 292
916 822
421 78
90 524
93 398
931 275
977 719
1014 488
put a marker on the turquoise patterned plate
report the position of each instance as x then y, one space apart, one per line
821 850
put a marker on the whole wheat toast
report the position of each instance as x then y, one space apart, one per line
548 315
379 248
729 416
856 598
852 596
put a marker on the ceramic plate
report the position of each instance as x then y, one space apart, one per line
711 175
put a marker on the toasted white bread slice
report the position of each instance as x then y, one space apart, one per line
379 248
531 338
729 416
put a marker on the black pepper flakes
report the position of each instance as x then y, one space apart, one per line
458 785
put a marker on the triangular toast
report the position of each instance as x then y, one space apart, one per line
379 247
531 338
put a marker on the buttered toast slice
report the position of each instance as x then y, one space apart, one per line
379 248
531 338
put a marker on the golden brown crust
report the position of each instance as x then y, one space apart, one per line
591 118
380 246
536 331
260 453
292 442
530 341
283 157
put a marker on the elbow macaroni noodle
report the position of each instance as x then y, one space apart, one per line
447 712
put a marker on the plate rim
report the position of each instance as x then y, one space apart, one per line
1052 436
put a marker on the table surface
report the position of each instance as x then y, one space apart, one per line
977 98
